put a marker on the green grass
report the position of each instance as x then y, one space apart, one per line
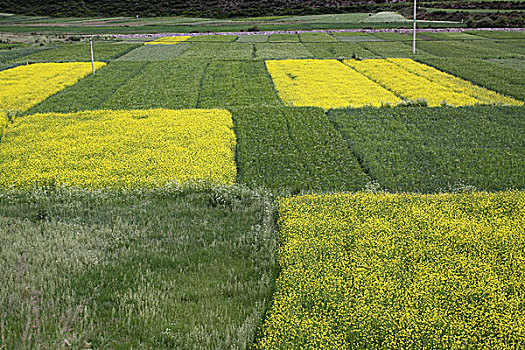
434 149
82 53
164 84
388 49
162 269
515 63
284 38
91 92
357 38
214 38
155 52
338 50
472 49
237 83
20 53
293 149
281 50
242 51
506 80
256 38
316 37
498 34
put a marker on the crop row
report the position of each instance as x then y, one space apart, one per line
368 271
119 149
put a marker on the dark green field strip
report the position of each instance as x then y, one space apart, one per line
237 83
471 48
499 34
155 52
515 63
284 38
394 36
294 149
338 50
357 38
91 92
242 51
281 50
162 269
164 84
514 46
432 149
19 53
82 52
316 37
390 49
491 75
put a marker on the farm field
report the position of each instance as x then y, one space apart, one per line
267 191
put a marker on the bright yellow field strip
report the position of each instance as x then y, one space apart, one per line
168 40
326 84
25 86
454 83
119 149
399 271
408 85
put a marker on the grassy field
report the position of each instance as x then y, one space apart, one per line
332 228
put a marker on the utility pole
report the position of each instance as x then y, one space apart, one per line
414 39
92 57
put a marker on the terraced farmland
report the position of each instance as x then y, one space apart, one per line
268 191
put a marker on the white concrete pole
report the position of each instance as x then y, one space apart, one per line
92 57
414 39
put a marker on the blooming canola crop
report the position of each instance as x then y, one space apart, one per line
119 149
399 271
326 84
168 40
23 87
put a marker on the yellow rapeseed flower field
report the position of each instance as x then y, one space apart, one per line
326 84
168 40
23 87
454 83
410 86
400 271
119 149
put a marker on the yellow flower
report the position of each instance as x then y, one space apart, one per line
119 149
168 40
23 87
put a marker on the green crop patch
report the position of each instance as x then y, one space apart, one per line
242 51
173 268
284 38
471 49
390 49
316 37
436 149
214 38
82 52
155 52
164 84
281 50
399 271
91 92
338 50
256 38
237 83
293 149
357 38
19 54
